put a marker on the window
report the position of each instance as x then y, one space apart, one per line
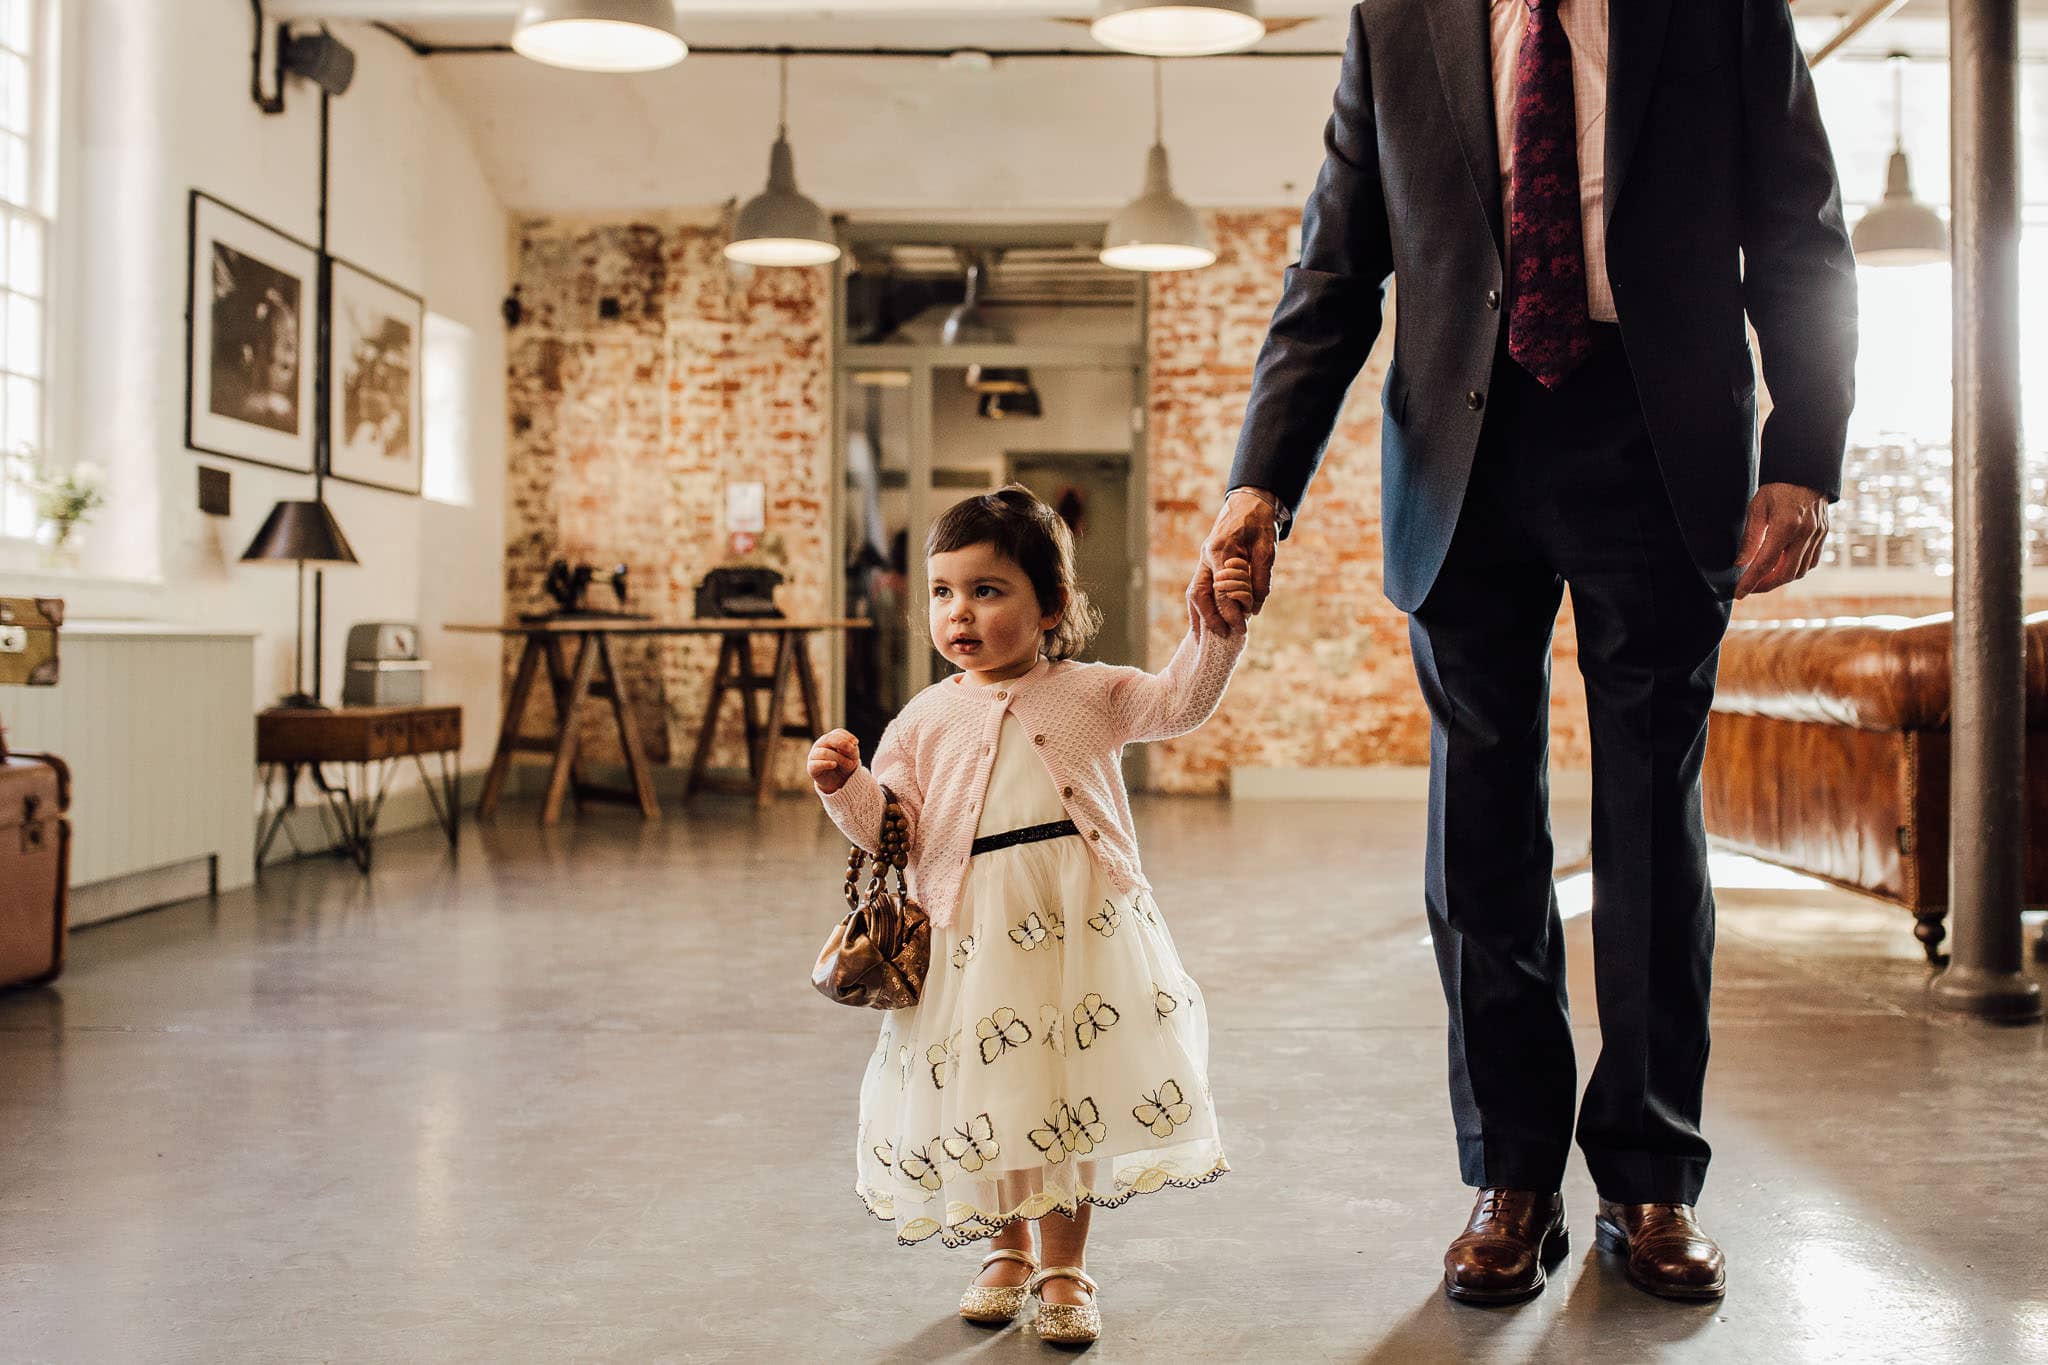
446 377
26 81
1897 508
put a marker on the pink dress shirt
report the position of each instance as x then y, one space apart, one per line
1585 28
937 753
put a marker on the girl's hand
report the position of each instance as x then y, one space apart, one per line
1232 586
833 759
1234 581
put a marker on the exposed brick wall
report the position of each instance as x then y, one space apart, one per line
1328 680
644 376
626 428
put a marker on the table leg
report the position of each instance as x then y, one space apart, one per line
764 744
807 685
559 680
274 815
746 679
565 747
354 816
629 733
508 729
708 727
444 799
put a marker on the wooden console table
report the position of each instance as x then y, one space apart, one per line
367 743
574 683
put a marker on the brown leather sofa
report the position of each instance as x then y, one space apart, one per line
1828 753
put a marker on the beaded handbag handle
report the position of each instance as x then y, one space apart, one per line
893 851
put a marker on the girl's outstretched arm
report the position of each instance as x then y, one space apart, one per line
1148 706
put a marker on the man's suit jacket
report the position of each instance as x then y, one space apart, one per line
1720 199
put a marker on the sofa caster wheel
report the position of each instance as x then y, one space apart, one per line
1931 929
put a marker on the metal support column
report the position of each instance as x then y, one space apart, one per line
1987 810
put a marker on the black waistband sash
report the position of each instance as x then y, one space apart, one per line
1030 834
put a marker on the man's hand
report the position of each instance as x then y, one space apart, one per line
833 759
1230 589
1782 539
1245 529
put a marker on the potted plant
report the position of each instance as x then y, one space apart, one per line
65 500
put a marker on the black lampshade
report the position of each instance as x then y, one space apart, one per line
300 531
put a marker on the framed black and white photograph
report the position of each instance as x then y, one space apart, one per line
251 292
375 402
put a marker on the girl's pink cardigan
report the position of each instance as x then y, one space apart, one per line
937 753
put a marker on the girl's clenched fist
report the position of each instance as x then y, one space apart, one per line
833 759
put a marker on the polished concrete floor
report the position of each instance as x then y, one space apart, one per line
569 1096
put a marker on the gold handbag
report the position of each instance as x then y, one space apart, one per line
876 957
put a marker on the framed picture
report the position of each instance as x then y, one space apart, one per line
375 398
251 293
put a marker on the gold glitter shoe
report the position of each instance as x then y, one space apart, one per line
1066 1323
996 1304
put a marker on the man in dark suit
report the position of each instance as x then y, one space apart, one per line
1581 203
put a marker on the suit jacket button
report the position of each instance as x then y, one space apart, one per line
1493 298
1475 400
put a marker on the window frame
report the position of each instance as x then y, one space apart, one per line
43 102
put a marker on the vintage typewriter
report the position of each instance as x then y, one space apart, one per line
740 590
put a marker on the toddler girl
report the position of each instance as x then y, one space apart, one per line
1058 1056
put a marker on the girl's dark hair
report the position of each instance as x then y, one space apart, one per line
1024 530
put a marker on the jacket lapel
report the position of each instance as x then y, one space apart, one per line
1635 39
1464 62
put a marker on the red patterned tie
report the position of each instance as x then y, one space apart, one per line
1549 332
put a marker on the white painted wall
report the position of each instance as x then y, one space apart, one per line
160 106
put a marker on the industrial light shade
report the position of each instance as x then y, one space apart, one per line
298 532
600 35
1900 230
1158 230
779 226
1182 28
1002 391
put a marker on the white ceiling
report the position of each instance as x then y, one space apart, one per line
1027 25
1001 25
911 137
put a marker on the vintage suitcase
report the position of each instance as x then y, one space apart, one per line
35 866
28 640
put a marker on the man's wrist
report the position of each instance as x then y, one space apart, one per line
1281 513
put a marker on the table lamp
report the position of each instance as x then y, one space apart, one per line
300 531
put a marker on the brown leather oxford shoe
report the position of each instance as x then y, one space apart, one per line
1501 1255
1663 1250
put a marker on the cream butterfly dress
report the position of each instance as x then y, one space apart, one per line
1060 1052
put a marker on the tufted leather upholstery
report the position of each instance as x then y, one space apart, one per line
1828 752
1867 672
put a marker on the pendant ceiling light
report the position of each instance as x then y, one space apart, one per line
600 35
1182 28
779 226
967 325
1157 230
1900 230
999 391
